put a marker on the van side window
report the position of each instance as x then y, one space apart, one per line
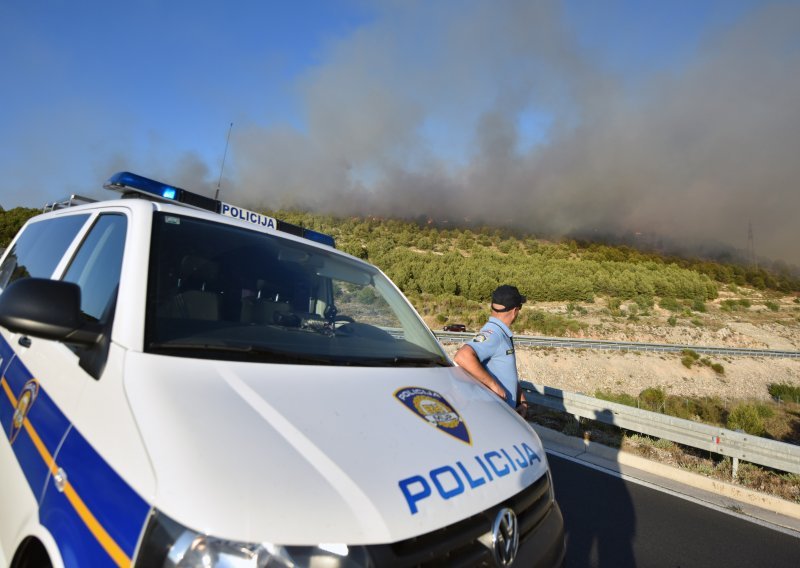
97 264
39 248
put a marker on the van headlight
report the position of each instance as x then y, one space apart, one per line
169 544
550 489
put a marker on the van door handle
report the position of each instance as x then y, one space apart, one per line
25 341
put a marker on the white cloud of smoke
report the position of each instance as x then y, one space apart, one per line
414 117
495 112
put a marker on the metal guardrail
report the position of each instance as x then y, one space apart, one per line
570 343
737 445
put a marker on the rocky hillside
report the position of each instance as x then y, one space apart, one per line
744 318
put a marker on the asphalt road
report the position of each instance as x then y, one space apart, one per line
615 523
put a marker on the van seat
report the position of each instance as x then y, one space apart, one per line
196 297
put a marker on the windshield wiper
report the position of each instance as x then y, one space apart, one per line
390 361
249 352
265 354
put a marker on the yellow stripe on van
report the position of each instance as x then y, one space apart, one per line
105 540
94 526
37 442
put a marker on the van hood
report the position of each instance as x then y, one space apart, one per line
299 455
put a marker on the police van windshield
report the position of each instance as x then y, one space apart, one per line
224 292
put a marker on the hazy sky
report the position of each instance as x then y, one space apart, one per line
680 118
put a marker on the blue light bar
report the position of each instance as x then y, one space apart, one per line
128 183
319 237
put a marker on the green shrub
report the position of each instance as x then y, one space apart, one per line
571 428
614 306
764 410
12 220
746 417
772 305
549 324
622 398
664 444
652 399
672 320
735 305
573 307
367 296
718 369
710 410
689 357
670 304
699 306
784 391
680 407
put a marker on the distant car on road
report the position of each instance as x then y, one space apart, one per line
455 327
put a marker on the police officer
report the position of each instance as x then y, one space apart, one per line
490 357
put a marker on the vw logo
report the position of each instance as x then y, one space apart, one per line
505 537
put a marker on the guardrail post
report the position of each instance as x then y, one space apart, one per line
735 467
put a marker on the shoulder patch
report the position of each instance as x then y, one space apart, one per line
480 337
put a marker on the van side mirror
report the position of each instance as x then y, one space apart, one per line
50 309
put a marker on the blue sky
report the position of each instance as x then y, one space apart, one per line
676 117
134 78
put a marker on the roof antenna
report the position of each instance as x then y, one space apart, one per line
222 167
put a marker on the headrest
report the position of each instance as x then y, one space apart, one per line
198 268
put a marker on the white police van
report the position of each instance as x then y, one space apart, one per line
188 383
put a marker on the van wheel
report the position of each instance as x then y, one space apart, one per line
31 554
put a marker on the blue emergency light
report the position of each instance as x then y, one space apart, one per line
128 183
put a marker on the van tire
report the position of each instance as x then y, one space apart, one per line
31 554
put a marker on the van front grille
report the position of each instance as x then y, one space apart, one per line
458 544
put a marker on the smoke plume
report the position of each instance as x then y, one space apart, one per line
441 127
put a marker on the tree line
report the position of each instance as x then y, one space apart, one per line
423 259
470 262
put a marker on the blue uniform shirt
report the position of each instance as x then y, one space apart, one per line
495 350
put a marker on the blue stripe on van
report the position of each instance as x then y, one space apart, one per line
48 418
97 520
114 504
6 407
